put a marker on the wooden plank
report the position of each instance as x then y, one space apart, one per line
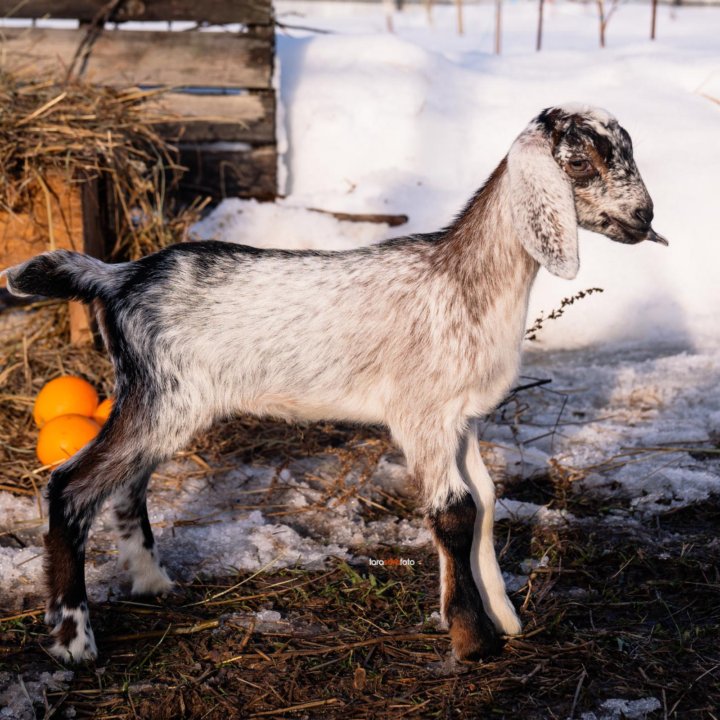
123 58
53 220
80 329
219 118
250 172
251 12
98 238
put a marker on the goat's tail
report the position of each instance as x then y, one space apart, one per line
61 274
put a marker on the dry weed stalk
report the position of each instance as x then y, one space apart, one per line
534 329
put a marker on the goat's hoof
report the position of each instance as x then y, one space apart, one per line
73 655
154 581
472 639
74 639
508 623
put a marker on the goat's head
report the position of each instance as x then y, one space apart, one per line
573 165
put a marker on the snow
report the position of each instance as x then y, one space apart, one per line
413 123
19 694
282 225
208 526
619 709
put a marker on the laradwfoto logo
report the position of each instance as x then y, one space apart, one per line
391 562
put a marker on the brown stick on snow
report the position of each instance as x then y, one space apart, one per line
540 25
654 17
391 220
498 25
428 10
459 6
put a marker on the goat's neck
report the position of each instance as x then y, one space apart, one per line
482 251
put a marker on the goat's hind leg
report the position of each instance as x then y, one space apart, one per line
119 455
137 550
67 609
75 493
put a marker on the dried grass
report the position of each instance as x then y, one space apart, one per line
617 613
86 132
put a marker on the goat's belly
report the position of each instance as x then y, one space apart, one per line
351 408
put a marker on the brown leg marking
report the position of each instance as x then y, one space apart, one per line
64 571
472 632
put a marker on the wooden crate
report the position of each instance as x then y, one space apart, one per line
220 83
55 218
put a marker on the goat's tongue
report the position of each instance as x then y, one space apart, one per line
654 237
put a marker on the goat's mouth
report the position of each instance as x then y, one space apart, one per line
632 234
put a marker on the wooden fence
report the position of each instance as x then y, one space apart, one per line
220 82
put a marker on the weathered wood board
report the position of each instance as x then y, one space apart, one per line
251 12
249 172
54 220
249 117
122 58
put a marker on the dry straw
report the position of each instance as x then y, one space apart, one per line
84 132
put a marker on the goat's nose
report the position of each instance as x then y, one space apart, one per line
644 215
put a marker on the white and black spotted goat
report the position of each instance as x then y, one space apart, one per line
421 334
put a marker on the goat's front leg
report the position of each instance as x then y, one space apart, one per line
431 452
485 568
432 458
471 630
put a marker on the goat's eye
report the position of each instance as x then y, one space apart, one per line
579 165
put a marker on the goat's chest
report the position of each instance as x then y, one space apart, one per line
489 353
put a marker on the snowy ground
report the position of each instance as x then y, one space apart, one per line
413 123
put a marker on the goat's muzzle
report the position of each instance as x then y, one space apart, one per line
633 234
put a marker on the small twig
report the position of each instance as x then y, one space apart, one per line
519 388
286 26
401 637
170 630
576 697
94 31
531 332
237 585
711 98
391 220
23 615
295 708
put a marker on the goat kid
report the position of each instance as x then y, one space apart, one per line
420 333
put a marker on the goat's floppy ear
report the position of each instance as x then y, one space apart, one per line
542 203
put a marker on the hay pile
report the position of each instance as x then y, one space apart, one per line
34 348
86 132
